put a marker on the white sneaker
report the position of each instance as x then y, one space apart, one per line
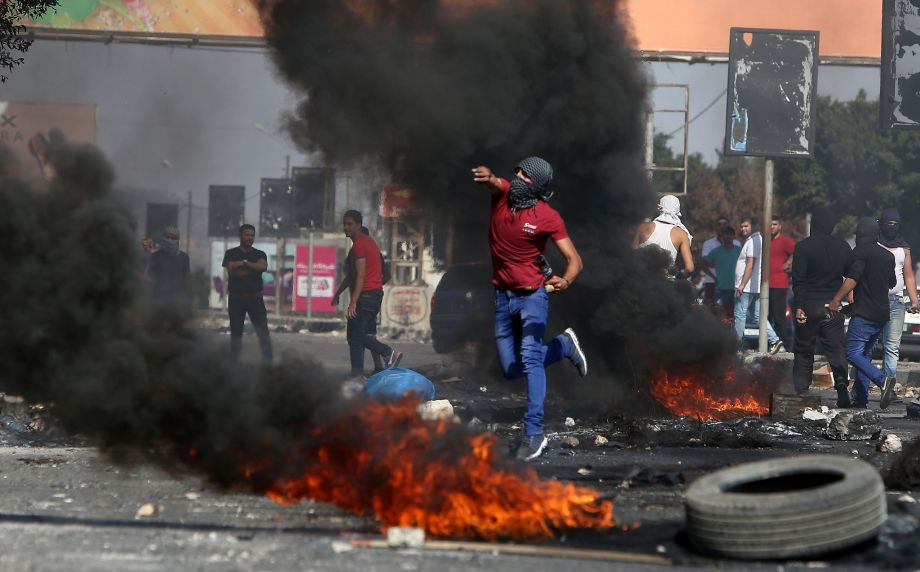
531 447
578 358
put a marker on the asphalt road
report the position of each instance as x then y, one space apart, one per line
69 508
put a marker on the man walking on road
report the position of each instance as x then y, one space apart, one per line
890 237
245 266
521 223
819 264
870 275
747 284
366 297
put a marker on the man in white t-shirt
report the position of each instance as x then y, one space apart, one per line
747 284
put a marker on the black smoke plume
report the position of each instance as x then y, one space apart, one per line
431 88
75 335
144 388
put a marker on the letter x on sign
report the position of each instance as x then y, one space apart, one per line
7 120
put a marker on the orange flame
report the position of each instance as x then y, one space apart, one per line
707 397
408 473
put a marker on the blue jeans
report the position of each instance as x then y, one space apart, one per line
520 322
741 310
361 331
861 338
891 334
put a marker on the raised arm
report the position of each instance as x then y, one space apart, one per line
484 175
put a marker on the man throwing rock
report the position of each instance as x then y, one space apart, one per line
521 223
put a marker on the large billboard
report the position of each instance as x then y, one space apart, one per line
849 28
772 82
900 77
192 17
32 129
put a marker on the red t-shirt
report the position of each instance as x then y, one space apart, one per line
515 239
365 247
781 249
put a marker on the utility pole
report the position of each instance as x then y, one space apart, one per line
310 273
188 225
765 255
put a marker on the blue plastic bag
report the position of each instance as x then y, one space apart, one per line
395 382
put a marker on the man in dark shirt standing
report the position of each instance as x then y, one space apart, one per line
168 270
818 265
521 223
245 266
870 273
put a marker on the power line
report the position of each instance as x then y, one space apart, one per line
704 110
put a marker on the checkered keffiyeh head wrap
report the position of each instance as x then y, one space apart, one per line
525 195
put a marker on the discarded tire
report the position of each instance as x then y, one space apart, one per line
786 508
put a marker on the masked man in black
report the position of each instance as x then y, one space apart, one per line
819 263
870 275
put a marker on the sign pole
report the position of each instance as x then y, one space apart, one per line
310 274
765 255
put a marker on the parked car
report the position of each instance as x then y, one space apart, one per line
462 306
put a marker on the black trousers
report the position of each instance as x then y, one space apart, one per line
777 314
833 340
238 307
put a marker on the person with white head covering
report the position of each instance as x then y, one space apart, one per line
667 232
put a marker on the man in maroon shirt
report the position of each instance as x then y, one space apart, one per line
521 223
781 249
366 297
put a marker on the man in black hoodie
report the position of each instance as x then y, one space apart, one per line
870 272
818 265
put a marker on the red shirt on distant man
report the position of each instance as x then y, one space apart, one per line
363 246
781 248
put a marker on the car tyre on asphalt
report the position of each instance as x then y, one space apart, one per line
786 508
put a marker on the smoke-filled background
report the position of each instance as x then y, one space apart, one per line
428 92
141 385
431 88
137 383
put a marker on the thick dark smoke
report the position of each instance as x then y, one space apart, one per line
140 385
431 88
74 336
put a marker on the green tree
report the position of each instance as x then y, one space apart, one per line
12 40
857 169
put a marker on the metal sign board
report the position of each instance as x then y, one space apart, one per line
772 84
899 92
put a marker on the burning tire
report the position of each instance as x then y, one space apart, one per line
786 508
